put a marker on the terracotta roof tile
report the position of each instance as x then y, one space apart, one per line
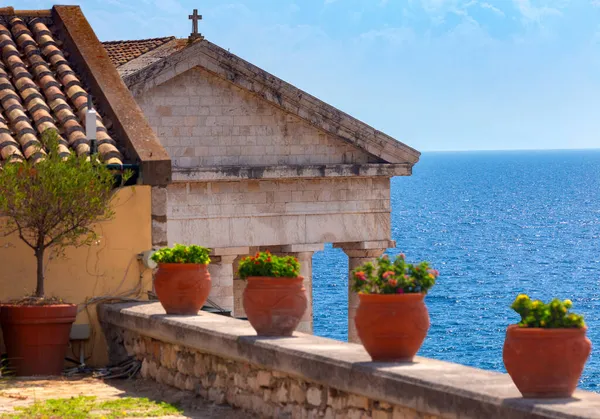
121 52
40 90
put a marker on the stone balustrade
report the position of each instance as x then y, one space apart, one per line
304 376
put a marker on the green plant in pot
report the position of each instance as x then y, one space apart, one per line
50 206
545 353
182 281
274 298
392 320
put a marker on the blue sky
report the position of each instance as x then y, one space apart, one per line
435 74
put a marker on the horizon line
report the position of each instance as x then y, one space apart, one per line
511 149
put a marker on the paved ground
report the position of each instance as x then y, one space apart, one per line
24 392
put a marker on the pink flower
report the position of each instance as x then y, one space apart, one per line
433 272
399 291
387 273
406 277
385 257
393 282
360 275
402 256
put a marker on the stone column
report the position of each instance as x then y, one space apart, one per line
358 254
159 216
221 274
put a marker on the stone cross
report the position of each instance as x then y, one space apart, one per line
195 17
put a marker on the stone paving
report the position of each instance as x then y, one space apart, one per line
25 391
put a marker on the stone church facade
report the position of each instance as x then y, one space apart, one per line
258 163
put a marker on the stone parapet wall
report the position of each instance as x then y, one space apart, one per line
251 387
305 376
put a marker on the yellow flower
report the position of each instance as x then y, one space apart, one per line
543 323
535 304
522 297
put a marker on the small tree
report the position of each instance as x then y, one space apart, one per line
54 203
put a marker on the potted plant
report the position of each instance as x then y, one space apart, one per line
182 281
546 351
50 205
274 298
392 319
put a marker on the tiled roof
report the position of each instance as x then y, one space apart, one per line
121 52
40 90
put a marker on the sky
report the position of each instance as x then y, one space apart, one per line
435 74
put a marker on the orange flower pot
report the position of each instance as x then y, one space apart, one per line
392 327
182 288
545 363
37 337
274 306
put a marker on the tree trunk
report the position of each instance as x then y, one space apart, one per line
39 254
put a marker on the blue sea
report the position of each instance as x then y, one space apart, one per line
495 224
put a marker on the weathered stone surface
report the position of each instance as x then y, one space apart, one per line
381 414
405 413
297 393
216 395
358 401
281 395
165 376
314 396
191 383
185 364
264 378
179 381
307 376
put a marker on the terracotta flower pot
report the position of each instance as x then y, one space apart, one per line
182 288
545 363
392 327
37 337
274 306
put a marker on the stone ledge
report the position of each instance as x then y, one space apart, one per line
429 386
228 173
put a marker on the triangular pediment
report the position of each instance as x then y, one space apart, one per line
204 120
157 68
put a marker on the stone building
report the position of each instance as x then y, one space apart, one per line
258 163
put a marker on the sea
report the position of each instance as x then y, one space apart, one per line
495 224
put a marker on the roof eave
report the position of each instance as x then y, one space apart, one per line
116 102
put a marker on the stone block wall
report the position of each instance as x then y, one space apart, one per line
268 212
204 120
253 388
306 376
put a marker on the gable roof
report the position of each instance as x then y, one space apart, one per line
177 56
51 61
121 52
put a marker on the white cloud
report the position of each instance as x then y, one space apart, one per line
492 8
391 35
536 14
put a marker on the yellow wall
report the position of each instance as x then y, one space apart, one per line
107 268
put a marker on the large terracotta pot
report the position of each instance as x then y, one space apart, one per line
37 337
545 363
182 288
392 327
274 306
